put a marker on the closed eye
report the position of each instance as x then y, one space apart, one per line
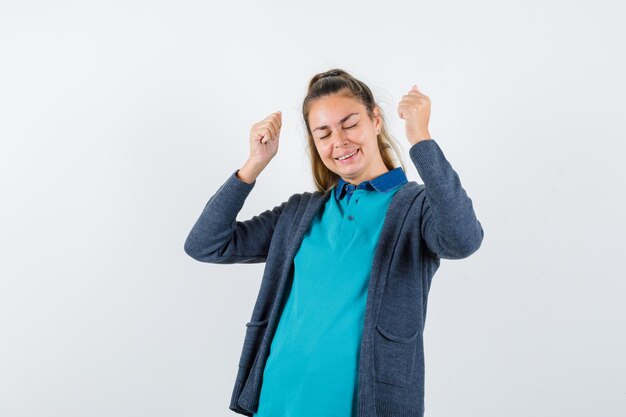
349 127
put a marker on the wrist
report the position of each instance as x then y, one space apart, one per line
420 137
415 142
249 172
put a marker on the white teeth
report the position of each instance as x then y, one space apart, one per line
341 158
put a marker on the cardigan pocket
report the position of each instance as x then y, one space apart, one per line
394 357
255 330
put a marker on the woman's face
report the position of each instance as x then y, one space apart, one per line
340 126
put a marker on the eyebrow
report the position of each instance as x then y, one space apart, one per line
341 121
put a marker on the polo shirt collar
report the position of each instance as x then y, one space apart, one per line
383 183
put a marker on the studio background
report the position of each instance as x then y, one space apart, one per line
119 120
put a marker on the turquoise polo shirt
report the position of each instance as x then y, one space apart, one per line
312 367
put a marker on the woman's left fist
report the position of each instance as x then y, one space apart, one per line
414 108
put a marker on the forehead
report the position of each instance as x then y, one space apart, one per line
331 109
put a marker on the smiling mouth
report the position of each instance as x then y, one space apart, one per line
348 156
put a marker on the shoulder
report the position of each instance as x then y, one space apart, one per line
306 198
409 191
407 200
309 195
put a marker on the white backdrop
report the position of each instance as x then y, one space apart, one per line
119 119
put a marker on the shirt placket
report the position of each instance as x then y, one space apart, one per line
351 210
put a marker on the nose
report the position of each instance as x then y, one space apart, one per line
340 139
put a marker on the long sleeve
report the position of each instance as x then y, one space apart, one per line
217 236
449 225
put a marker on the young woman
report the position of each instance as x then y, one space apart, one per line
337 326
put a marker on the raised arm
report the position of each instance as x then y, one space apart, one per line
449 226
217 237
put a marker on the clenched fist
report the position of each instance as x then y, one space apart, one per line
264 137
414 108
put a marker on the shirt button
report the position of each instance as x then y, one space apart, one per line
350 217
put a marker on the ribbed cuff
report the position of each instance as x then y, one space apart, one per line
238 184
425 153
235 190
234 174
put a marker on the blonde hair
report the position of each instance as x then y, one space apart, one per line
338 81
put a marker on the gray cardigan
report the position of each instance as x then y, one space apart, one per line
424 223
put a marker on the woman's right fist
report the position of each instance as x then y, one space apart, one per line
264 139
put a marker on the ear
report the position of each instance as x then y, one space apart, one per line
378 122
